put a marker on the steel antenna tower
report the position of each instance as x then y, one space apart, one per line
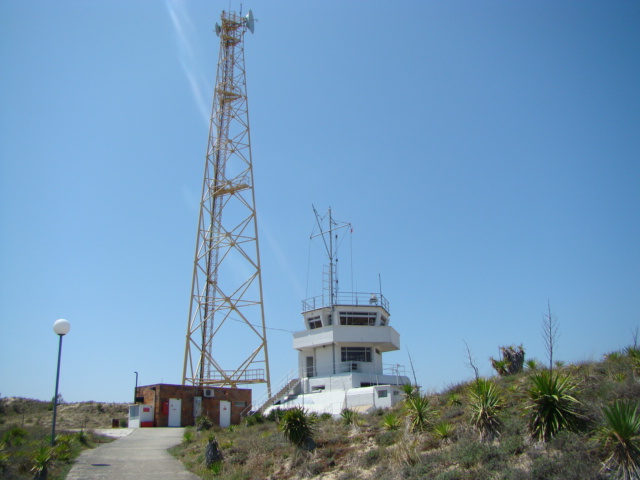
226 292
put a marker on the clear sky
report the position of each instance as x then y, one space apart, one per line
486 153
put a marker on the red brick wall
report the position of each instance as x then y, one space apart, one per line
159 395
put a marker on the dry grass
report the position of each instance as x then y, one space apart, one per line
366 449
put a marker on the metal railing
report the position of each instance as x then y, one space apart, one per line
346 298
257 404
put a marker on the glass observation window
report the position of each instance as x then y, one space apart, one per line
356 354
357 318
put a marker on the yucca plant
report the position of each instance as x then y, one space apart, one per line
297 426
409 390
349 417
485 403
41 462
500 366
444 431
621 434
82 437
454 399
419 411
552 405
391 421
532 365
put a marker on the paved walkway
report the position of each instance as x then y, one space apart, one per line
142 455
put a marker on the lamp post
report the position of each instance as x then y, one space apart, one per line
135 392
61 328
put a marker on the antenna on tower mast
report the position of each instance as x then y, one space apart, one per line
226 323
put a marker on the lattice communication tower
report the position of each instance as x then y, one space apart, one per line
226 293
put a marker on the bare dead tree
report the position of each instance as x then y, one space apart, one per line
550 333
471 361
634 334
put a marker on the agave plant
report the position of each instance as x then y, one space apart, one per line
552 405
419 412
485 402
621 434
297 426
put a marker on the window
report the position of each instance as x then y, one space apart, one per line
382 393
317 388
356 354
240 404
383 320
314 323
357 318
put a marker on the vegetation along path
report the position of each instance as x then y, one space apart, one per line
141 455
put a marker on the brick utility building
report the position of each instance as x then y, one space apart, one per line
163 405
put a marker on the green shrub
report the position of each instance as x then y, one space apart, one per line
444 431
203 423
552 405
621 436
349 417
485 402
15 436
454 399
391 421
41 461
297 426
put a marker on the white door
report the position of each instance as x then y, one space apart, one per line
175 412
225 413
197 407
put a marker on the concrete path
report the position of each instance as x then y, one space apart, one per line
142 455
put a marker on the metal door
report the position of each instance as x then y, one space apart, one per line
197 407
175 412
225 413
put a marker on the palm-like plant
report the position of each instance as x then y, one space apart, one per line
419 412
621 434
532 364
409 390
444 431
485 402
454 399
349 417
552 404
391 421
41 462
297 426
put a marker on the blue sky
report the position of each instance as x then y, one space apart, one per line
486 154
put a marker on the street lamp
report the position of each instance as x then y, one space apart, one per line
135 392
61 328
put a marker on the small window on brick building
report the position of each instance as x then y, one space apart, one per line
238 403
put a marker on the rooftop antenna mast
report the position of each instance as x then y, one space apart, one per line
330 245
226 293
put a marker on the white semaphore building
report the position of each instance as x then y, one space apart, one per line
340 351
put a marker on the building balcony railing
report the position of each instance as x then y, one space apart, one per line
346 298
353 367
